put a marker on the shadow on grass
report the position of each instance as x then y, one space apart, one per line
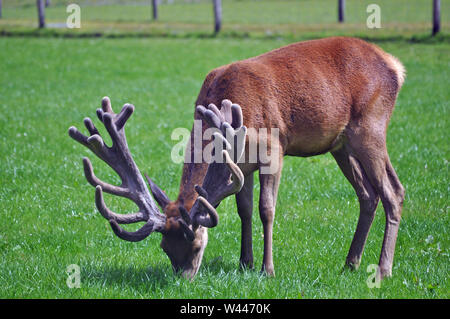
129 276
148 278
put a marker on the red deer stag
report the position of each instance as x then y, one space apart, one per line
331 95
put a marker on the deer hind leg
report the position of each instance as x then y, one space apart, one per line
244 201
368 202
370 150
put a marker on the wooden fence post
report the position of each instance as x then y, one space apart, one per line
341 11
217 6
155 9
41 13
436 16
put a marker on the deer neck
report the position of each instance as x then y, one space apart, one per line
193 174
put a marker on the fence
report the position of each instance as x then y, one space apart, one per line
277 16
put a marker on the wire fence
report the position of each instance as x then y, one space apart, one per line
267 16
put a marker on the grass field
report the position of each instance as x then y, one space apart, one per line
48 216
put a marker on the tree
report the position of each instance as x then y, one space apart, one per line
341 11
0 9
217 6
41 13
47 3
155 9
436 16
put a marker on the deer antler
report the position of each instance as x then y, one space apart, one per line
119 158
223 178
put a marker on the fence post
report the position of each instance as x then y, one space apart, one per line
155 9
341 11
41 13
436 16
217 6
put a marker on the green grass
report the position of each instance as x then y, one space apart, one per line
48 216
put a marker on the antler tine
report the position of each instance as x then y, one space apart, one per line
110 215
184 223
124 115
237 117
226 111
201 191
95 181
185 215
93 142
90 126
219 138
119 158
211 219
138 235
209 116
216 111
237 177
106 105
188 232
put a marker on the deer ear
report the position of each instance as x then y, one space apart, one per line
159 195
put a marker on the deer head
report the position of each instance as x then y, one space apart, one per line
184 234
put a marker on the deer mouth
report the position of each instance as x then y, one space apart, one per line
186 258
